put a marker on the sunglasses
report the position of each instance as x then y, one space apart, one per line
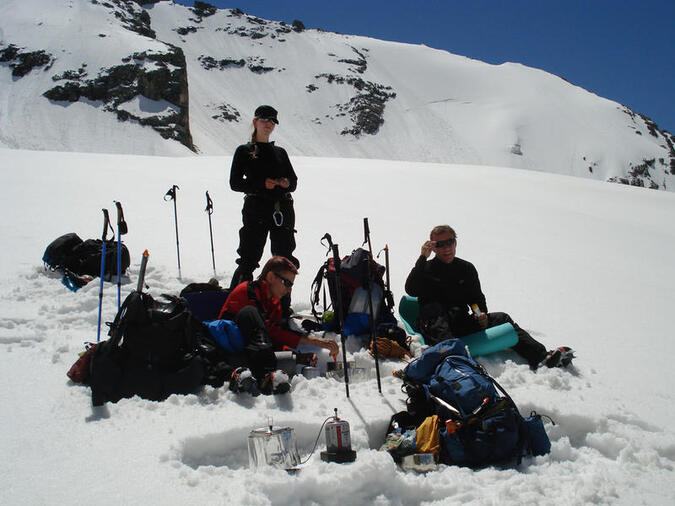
447 242
286 282
268 120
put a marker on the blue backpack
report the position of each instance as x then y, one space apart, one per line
481 423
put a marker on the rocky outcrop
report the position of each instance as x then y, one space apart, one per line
22 62
366 108
226 112
131 15
147 75
203 9
647 173
254 64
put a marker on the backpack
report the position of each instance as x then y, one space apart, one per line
205 300
70 254
59 252
481 424
353 284
153 352
86 258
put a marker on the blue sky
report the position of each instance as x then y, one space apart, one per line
622 50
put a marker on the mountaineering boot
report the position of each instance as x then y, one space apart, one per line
241 274
242 380
560 357
275 382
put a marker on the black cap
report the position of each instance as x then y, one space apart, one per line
267 112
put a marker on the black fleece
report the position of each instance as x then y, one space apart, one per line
248 174
453 287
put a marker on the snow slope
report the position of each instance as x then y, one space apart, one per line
575 262
338 96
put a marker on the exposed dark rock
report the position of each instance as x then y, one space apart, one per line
298 26
257 21
71 75
227 113
641 120
260 69
186 30
283 28
255 64
366 109
651 126
360 64
156 76
640 175
203 9
132 16
311 88
22 63
209 63
259 28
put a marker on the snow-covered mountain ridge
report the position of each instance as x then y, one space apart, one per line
160 78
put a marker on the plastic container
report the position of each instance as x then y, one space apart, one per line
419 462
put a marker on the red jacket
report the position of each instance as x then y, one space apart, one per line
271 307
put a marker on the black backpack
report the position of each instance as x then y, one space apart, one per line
153 352
69 253
353 274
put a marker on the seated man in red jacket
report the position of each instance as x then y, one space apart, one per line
255 306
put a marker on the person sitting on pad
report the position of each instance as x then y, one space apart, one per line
447 287
256 308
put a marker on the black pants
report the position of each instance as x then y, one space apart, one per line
258 347
259 221
437 325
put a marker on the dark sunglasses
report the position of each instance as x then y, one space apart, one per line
286 282
447 242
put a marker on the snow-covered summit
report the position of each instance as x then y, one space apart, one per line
161 78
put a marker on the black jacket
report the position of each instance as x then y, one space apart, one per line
455 285
248 174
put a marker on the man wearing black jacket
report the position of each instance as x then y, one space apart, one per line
447 286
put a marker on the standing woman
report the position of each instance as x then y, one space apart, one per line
264 173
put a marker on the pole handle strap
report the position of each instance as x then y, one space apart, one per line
122 227
106 226
171 193
209 204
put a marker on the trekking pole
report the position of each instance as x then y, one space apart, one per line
104 238
141 274
172 196
366 235
373 340
209 211
121 230
339 314
389 297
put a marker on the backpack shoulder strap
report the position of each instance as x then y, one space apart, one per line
251 289
316 289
